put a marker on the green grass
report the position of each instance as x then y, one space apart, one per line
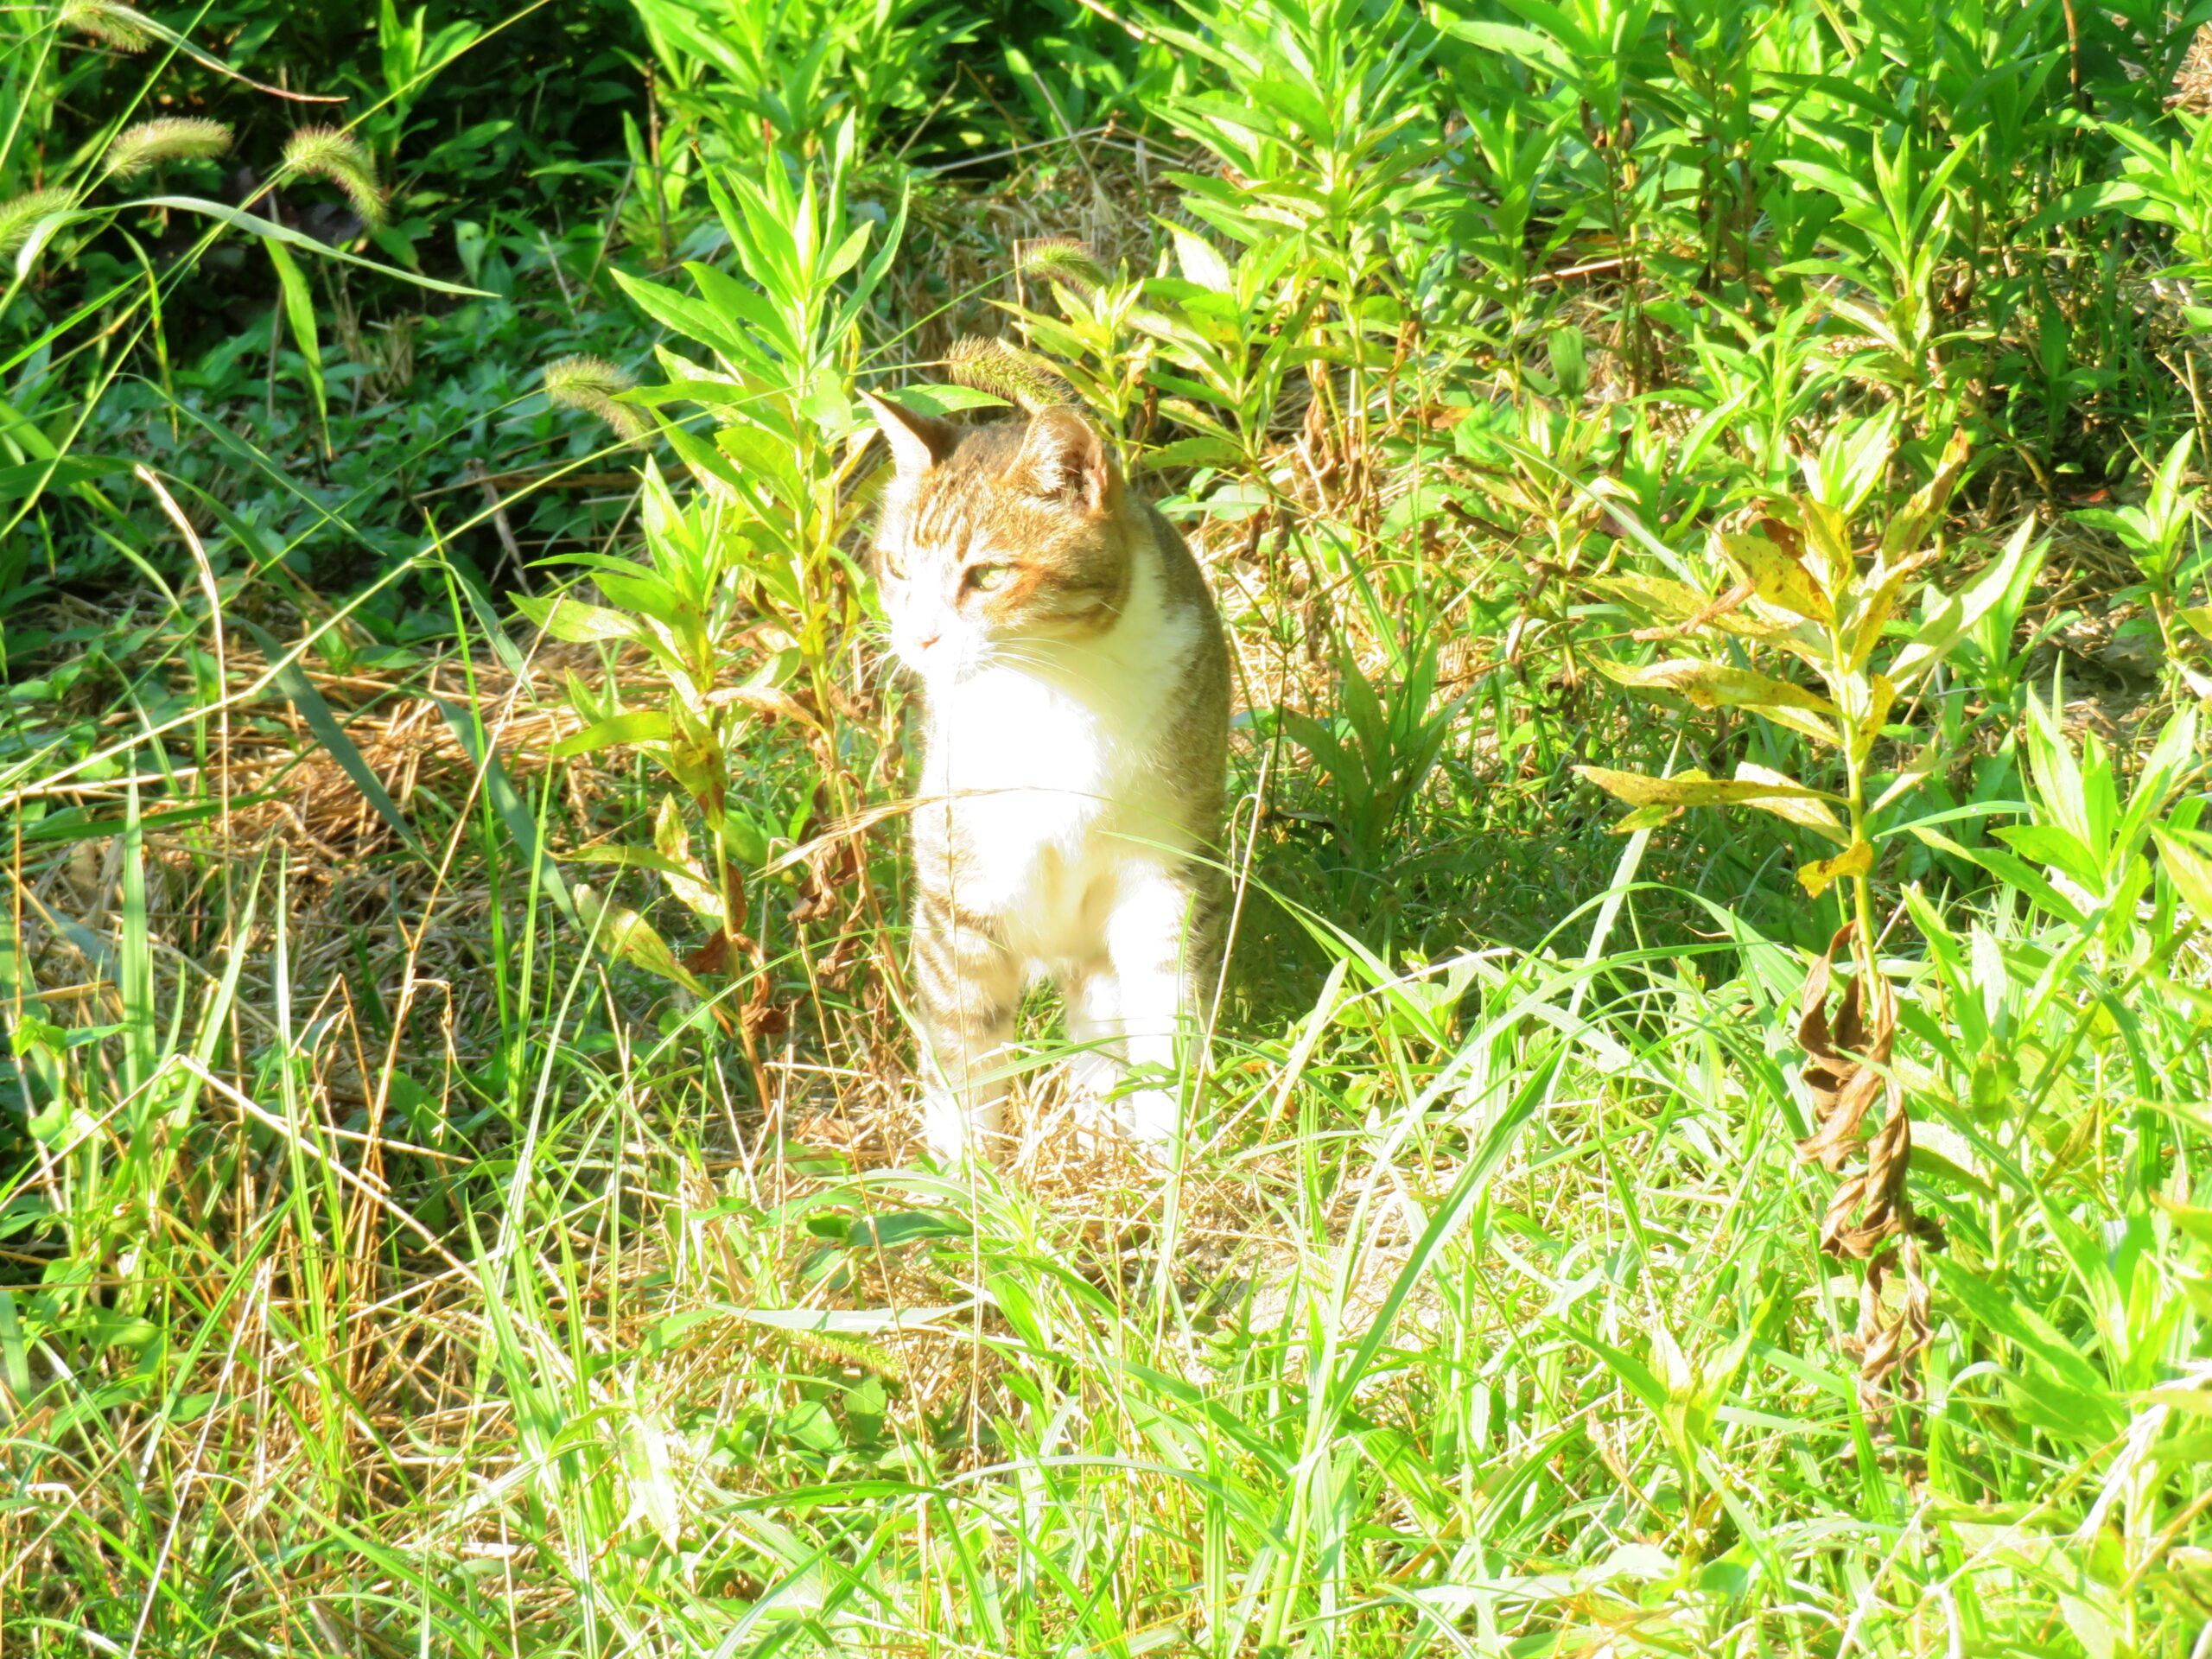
1468 1315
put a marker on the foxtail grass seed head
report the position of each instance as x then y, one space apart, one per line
105 20
173 138
18 218
1062 259
590 384
330 153
992 365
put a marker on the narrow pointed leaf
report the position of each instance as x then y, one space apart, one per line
293 683
506 801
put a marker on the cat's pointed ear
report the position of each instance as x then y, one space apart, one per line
918 441
1063 456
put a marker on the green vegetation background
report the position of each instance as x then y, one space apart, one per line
458 1192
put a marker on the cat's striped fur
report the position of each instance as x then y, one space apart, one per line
1076 681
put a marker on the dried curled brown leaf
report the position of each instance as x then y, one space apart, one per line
1846 1067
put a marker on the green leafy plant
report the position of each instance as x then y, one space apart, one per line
1803 597
2163 538
762 539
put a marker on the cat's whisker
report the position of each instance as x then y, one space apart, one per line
1049 667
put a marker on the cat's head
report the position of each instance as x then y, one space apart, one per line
996 535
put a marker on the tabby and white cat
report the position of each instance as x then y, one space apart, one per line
1076 681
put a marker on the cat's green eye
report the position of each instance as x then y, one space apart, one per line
893 566
988 578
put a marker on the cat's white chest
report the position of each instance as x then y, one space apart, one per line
1007 735
1050 781
1029 774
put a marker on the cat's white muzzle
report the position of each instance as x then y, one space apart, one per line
940 648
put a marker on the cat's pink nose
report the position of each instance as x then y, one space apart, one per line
927 640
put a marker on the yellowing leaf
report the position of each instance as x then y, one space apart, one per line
1711 685
1790 800
670 839
1645 818
1874 616
1777 576
1671 601
1829 552
1910 527
1823 873
685 879
1924 765
1882 697
1697 788
1797 720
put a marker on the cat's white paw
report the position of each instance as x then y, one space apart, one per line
956 1131
1152 1117
1092 1078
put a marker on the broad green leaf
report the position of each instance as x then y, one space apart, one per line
1194 452
1839 185
643 726
2079 203
2054 847
935 398
2186 857
2009 867
627 936
573 621
1530 47
681 313
1200 262
1956 615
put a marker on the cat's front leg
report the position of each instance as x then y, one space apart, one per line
1148 939
1093 999
971 989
